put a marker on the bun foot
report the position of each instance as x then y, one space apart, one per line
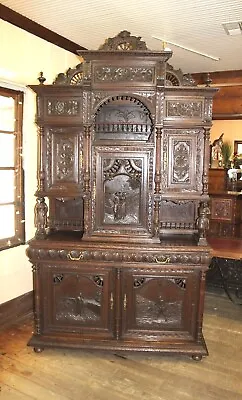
197 357
38 349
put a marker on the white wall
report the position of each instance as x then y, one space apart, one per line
23 56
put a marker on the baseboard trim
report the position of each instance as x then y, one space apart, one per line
16 310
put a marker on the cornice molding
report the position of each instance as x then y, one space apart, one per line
14 18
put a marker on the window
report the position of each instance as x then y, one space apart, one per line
11 171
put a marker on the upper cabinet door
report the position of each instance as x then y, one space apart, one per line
183 152
63 160
122 191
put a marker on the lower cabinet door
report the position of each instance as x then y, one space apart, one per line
77 299
158 305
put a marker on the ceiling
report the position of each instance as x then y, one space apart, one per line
196 25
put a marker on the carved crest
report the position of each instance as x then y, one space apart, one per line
124 41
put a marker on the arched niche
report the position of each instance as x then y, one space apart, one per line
123 117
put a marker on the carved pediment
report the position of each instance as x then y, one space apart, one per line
124 41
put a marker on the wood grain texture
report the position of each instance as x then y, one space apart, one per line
76 374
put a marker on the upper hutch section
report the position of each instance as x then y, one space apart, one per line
123 65
127 135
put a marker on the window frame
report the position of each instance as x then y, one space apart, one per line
19 205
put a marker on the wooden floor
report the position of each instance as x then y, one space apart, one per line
83 375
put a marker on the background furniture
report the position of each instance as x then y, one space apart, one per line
225 205
225 270
120 260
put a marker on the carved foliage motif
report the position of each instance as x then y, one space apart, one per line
64 159
183 158
181 161
64 108
186 109
221 209
64 156
124 74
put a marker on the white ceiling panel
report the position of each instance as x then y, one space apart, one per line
195 25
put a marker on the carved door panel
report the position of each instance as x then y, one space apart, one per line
123 183
64 147
78 300
160 304
183 160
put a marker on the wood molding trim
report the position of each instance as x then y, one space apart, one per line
16 310
219 78
36 29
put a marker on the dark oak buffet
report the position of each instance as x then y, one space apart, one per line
120 253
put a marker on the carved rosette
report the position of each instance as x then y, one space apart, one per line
68 108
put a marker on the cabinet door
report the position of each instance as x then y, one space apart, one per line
183 152
160 304
77 300
63 164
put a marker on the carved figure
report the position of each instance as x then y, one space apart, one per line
203 222
40 217
216 153
119 205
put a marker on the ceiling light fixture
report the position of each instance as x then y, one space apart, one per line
233 28
187 48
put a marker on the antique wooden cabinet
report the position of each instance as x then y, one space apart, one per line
120 254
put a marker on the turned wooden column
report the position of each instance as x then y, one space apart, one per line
206 157
86 178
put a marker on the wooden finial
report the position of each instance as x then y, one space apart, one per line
41 78
208 80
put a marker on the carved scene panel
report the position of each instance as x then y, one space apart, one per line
160 303
80 300
122 186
